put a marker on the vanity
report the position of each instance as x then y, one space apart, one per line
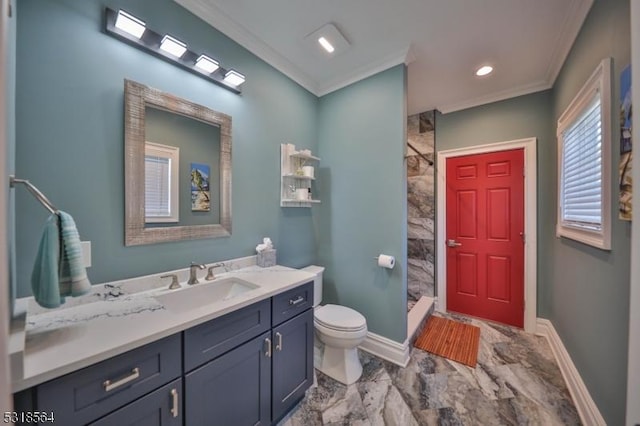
243 360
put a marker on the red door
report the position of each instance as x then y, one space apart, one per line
485 236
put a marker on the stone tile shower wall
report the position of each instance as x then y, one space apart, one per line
421 207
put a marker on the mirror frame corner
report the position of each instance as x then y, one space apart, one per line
137 97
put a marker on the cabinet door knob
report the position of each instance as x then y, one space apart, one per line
174 400
267 342
279 342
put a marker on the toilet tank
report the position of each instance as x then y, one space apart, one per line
317 282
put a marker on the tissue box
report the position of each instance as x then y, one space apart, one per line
266 258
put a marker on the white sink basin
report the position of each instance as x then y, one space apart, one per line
203 294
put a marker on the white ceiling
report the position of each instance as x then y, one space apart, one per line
442 41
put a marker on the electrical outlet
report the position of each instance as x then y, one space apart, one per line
86 253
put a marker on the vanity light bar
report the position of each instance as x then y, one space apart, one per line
234 77
132 30
130 24
207 64
173 46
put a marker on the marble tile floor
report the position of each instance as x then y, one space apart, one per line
516 382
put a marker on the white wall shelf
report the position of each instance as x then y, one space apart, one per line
303 156
299 177
293 178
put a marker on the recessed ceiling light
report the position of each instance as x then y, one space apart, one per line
130 24
207 64
484 70
173 46
234 77
326 45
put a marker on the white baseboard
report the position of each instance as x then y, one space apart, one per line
587 409
390 350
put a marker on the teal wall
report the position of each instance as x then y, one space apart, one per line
69 135
362 135
582 290
594 325
517 118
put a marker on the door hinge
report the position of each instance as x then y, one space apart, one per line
523 236
524 170
9 9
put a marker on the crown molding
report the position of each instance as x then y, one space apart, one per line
215 17
403 56
574 19
495 97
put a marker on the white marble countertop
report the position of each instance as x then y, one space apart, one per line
114 321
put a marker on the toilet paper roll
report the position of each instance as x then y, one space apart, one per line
308 171
386 261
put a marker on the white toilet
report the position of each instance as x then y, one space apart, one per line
341 330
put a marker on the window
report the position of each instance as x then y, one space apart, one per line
161 183
584 145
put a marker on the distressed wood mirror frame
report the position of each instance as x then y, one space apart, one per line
137 98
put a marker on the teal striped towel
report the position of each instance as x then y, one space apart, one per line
59 268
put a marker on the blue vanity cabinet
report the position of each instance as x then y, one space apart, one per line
233 389
258 381
292 364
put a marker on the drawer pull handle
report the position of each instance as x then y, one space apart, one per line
279 343
296 300
268 351
174 399
108 386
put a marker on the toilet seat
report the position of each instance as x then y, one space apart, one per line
339 318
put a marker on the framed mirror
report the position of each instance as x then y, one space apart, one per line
177 167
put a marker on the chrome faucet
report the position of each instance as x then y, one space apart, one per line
193 272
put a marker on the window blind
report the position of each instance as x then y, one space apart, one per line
157 201
581 183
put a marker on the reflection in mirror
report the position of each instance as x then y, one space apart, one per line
161 182
177 168
195 172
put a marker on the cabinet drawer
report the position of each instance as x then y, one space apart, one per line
162 407
213 338
88 394
291 303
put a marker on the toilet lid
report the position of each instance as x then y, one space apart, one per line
340 318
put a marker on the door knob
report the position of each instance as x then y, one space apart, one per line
453 243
